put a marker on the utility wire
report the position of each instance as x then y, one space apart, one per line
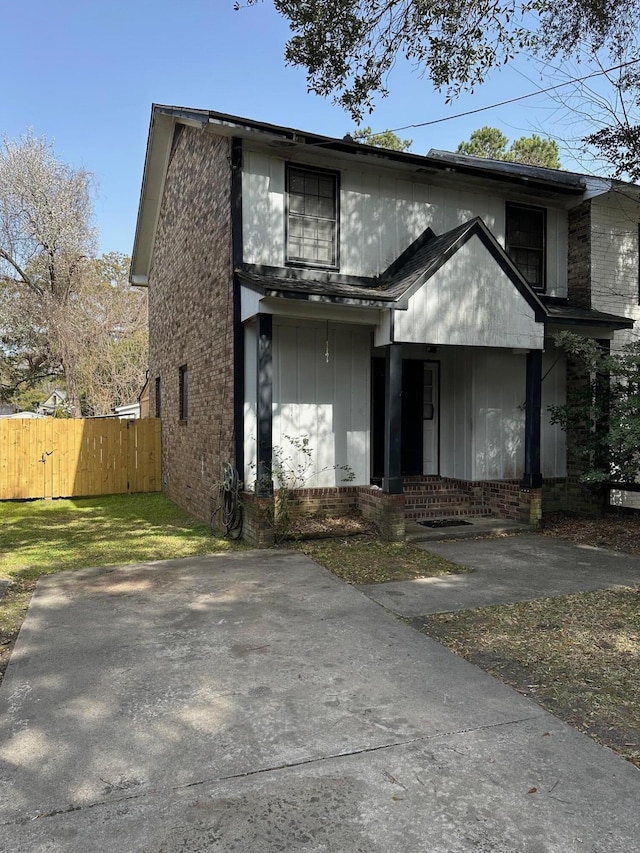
514 100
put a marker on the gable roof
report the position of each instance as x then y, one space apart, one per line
165 119
422 259
402 278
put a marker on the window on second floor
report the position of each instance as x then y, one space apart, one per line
312 217
526 242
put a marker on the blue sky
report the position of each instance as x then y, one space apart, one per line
84 73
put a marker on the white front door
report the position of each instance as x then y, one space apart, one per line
430 428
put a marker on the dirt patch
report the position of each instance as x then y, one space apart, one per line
576 655
14 603
617 531
328 527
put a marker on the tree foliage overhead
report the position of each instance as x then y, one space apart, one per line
348 47
616 115
61 308
386 139
530 150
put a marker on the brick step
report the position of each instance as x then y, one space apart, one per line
429 485
451 512
431 493
429 501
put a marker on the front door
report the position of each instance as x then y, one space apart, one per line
430 423
419 418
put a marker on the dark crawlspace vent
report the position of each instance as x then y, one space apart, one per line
444 522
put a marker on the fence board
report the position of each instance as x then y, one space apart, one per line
51 457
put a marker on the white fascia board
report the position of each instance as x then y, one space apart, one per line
153 180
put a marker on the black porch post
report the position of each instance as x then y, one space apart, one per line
603 401
392 482
264 473
532 478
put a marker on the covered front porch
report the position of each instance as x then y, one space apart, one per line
430 390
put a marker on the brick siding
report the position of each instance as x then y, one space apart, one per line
579 256
384 510
190 318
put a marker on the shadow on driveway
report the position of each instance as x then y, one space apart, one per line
253 702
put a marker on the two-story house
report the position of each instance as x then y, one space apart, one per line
395 310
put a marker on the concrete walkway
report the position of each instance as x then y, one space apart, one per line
508 569
254 702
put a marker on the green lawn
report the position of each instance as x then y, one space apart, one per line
41 537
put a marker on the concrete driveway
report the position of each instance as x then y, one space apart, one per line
253 702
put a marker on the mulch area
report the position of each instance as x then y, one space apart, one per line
619 531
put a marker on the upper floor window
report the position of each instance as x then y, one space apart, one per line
312 217
526 242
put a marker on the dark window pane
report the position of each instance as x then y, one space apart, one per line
525 242
296 203
295 248
326 208
311 205
183 392
312 224
296 226
296 182
326 187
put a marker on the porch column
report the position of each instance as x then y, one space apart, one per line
264 397
603 401
532 478
392 481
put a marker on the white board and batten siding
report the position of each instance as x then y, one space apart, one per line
615 260
381 214
482 408
469 301
328 401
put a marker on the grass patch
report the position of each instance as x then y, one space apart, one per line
41 537
367 559
577 655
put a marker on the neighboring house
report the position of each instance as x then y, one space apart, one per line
396 309
127 412
55 401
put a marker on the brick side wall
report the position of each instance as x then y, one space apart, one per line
570 495
190 318
386 511
327 501
579 257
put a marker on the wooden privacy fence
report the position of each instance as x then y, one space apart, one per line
52 457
